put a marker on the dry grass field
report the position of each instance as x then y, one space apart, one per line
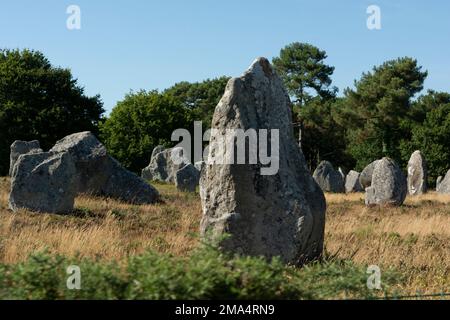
413 239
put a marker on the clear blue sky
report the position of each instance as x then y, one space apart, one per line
145 44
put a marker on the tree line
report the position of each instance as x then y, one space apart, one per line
385 113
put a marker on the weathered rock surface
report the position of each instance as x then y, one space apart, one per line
342 173
97 173
444 186
165 164
171 166
417 174
265 215
365 179
22 147
43 182
329 179
187 178
200 165
352 183
389 187
127 186
157 150
91 160
438 182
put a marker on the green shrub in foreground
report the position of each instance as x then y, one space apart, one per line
206 274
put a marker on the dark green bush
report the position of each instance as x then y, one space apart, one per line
40 101
206 274
139 123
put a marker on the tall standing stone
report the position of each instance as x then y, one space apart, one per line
266 215
389 187
352 183
329 179
417 174
22 147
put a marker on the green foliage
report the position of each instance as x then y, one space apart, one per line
376 110
377 118
430 127
206 274
322 137
146 119
308 81
139 123
302 68
201 98
39 101
364 146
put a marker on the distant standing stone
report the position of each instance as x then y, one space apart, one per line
22 147
352 183
171 166
187 178
438 182
165 164
43 182
342 173
365 179
157 150
417 174
200 165
444 186
389 185
329 179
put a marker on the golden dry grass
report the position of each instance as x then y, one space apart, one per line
101 228
414 239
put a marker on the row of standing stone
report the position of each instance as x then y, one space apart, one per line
172 166
382 180
280 215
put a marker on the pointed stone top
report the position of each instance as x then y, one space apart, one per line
417 157
264 64
326 163
260 67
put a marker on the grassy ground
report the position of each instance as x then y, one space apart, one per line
414 239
